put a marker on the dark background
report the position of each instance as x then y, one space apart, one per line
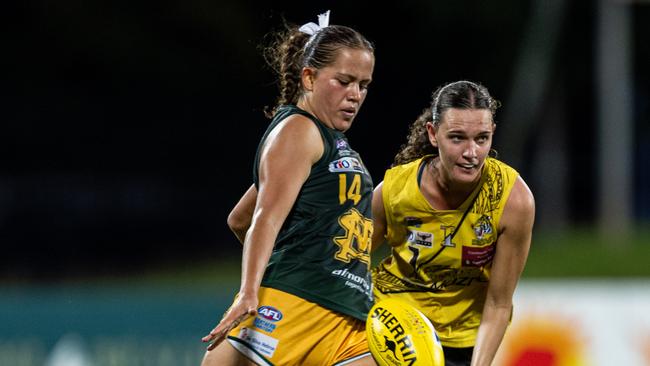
129 128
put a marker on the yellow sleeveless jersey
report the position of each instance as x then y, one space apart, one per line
441 259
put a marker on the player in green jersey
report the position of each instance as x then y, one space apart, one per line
305 222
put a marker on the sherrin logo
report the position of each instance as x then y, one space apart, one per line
400 335
270 313
401 340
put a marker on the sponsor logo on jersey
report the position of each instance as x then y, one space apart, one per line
421 238
345 152
478 256
346 164
354 281
413 221
269 313
264 325
260 342
442 278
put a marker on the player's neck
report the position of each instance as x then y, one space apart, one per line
442 192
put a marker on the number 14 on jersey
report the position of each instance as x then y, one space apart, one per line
353 192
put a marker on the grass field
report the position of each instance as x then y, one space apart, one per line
575 254
583 253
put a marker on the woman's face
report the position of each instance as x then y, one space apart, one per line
335 93
464 139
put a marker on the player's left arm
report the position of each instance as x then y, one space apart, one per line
241 216
513 244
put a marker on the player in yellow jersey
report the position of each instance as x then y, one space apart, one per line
459 224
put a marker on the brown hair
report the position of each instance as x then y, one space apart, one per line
459 94
291 50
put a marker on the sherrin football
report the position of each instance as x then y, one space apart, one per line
399 334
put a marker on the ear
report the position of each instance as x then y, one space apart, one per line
432 130
307 76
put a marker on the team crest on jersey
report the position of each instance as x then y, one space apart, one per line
356 241
482 230
421 238
346 164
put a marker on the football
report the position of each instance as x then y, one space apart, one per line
399 334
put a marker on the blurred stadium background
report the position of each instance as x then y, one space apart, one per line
129 129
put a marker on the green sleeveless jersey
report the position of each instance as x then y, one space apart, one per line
321 253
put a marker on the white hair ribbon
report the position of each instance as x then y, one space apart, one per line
311 28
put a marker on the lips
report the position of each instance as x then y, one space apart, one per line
349 113
467 166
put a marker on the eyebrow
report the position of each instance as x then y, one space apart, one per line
339 74
484 132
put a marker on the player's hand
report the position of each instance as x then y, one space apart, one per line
243 307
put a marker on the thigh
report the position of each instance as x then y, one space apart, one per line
225 355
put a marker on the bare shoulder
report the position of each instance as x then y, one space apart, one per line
379 189
296 136
520 207
521 195
297 126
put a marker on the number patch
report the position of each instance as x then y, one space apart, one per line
353 192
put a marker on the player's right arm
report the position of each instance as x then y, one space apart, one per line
286 159
378 218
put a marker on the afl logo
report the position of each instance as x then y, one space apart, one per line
270 313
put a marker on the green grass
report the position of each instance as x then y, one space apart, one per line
583 253
574 254
580 253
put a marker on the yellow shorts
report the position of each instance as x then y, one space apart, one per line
289 330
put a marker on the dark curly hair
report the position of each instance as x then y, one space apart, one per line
459 94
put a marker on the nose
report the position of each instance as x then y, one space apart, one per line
471 151
354 92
